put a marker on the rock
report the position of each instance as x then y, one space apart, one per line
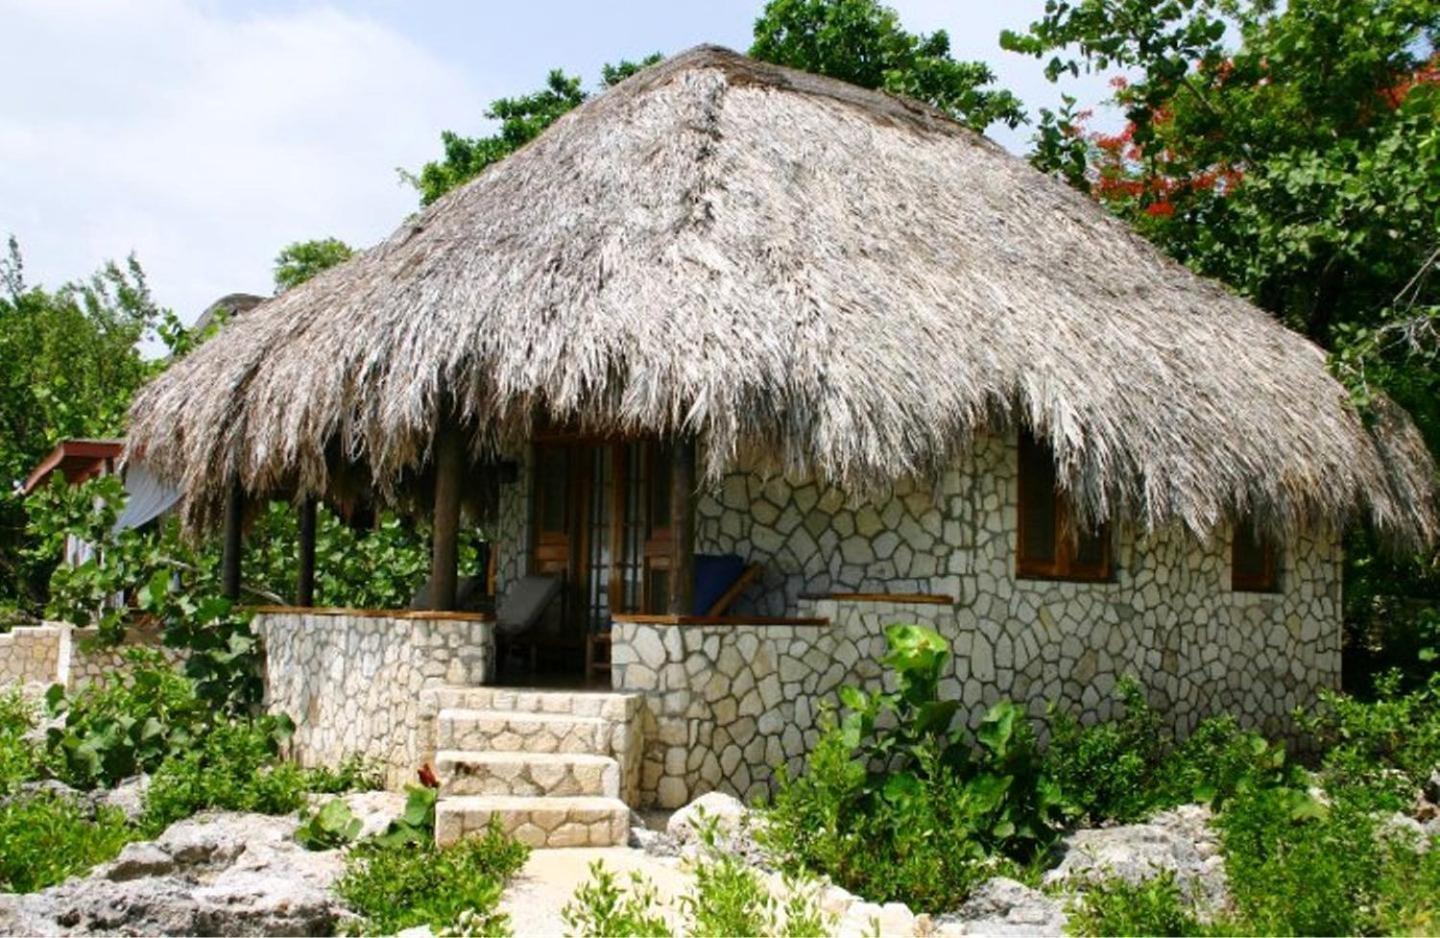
1179 841
727 812
1431 788
128 796
655 843
871 918
217 873
374 809
1002 906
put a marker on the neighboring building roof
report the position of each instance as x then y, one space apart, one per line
822 277
230 305
77 460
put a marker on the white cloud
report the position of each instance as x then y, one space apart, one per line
205 143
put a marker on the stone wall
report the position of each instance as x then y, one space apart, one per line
351 681
59 653
1168 616
31 654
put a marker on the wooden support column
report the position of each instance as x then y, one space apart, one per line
445 530
230 548
682 518
305 576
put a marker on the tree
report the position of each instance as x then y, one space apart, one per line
862 42
522 119
69 364
1293 152
302 260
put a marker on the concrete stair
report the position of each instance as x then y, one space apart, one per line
552 768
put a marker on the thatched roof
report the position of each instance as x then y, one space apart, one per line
831 279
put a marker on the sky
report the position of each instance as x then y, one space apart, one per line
205 135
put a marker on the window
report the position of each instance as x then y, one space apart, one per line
1254 560
1050 546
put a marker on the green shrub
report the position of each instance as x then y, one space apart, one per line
602 907
1408 890
126 724
46 838
1383 749
895 804
334 825
1219 761
1106 771
354 773
233 767
19 759
1116 907
395 886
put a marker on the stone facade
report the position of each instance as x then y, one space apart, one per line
351 681
729 702
36 656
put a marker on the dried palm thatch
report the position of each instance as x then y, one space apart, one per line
825 278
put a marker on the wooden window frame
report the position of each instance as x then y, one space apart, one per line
1268 579
1064 565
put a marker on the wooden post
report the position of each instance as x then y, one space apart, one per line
444 545
305 576
682 519
230 548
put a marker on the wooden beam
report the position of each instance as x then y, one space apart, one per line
682 520
445 530
305 576
230 548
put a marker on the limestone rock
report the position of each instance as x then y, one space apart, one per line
217 873
1004 907
1180 841
727 812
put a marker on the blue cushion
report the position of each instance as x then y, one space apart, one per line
714 574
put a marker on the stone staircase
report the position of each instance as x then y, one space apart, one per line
556 768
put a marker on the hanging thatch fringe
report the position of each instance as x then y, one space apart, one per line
833 279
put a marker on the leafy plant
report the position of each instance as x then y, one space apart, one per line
895 803
356 772
334 825
603 907
1384 748
1116 906
126 724
1106 770
233 767
48 838
416 824
20 759
396 885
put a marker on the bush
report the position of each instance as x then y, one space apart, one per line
1218 762
896 805
1381 750
46 838
354 773
1107 770
1117 907
233 768
127 724
395 886
602 907
333 825
19 760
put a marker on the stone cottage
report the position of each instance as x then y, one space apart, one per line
753 363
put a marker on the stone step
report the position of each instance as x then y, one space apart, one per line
537 822
527 773
612 706
516 731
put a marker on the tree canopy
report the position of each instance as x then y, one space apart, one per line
862 42
300 261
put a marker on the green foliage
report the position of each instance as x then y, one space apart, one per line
415 827
20 759
521 120
234 768
300 261
395 886
1126 768
862 42
603 907
895 804
48 838
1115 906
334 825
126 724
728 898
354 773
1379 750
